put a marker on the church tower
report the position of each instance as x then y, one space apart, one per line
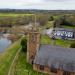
32 44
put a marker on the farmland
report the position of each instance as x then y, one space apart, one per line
13 14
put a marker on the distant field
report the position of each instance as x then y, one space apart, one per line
14 14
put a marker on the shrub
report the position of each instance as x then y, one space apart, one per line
72 45
24 44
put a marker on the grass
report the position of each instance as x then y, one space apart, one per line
7 57
58 42
45 39
63 43
23 68
13 14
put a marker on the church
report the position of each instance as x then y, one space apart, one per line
52 60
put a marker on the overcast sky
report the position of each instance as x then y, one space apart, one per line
38 4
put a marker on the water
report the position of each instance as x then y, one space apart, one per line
4 43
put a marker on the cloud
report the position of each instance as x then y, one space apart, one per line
50 4
38 4
57 0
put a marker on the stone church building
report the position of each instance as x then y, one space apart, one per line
53 60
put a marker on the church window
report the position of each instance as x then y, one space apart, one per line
41 67
53 69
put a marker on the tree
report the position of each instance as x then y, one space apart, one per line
68 20
72 45
24 44
51 18
57 23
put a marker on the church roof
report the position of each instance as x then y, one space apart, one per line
58 57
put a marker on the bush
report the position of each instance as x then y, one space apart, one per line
72 45
24 44
51 18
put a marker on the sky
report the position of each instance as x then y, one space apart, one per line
38 4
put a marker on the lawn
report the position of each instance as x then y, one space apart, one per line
58 42
45 39
63 43
7 57
23 68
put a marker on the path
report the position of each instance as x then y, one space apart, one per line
13 62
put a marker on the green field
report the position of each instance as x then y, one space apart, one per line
14 14
7 57
23 68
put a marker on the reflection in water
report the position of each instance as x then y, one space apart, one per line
4 43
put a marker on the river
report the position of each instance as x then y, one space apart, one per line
4 42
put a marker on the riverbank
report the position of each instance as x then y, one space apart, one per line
4 43
7 57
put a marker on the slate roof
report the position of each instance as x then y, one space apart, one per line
58 57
